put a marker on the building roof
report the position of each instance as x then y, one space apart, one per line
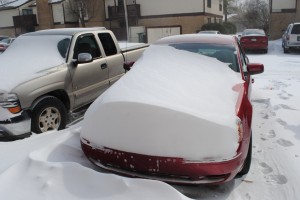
11 4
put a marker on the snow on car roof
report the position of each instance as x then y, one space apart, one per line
198 38
168 93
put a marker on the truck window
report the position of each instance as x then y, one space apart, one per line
108 44
87 44
63 46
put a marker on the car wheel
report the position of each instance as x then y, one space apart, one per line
247 162
48 114
286 49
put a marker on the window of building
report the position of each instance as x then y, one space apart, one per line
209 3
120 3
208 20
220 7
27 11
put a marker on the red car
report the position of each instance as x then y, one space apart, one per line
182 114
254 40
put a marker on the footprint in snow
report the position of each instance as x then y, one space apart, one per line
271 134
248 196
283 106
281 122
266 168
276 179
284 143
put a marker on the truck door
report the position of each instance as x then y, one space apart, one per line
89 79
114 59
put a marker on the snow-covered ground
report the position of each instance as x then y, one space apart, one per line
52 165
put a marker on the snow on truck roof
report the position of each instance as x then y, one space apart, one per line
64 31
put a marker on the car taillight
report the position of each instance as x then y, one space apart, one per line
240 129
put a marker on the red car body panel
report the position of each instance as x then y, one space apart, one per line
179 170
254 42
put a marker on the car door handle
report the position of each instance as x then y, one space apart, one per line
104 66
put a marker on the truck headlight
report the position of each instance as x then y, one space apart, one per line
10 102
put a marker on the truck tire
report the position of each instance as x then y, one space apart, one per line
48 114
247 162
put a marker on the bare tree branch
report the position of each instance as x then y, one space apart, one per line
82 9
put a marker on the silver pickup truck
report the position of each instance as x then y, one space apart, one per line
48 74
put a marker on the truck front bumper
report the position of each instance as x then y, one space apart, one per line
18 126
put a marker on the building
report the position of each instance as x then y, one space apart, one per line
147 20
150 20
282 14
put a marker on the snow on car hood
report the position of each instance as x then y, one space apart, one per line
29 57
170 100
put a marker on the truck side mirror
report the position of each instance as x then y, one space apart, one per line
83 58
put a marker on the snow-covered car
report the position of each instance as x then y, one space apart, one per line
182 114
254 40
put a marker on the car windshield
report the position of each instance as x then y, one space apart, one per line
253 32
223 53
6 40
296 29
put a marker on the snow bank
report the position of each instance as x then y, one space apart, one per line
169 101
54 172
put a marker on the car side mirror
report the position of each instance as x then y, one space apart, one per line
255 68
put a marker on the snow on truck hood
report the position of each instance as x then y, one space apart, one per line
170 100
29 57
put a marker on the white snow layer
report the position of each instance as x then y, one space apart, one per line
29 57
167 104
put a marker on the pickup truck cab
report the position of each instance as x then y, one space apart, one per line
46 75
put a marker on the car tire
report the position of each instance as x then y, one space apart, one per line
247 162
49 113
286 50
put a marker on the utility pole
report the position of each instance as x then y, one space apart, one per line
126 19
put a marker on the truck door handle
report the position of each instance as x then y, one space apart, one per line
103 66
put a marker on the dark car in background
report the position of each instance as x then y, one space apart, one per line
291 37
254 40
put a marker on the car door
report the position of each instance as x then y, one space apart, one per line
89 79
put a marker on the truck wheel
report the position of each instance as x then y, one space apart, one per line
247 162
48 114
